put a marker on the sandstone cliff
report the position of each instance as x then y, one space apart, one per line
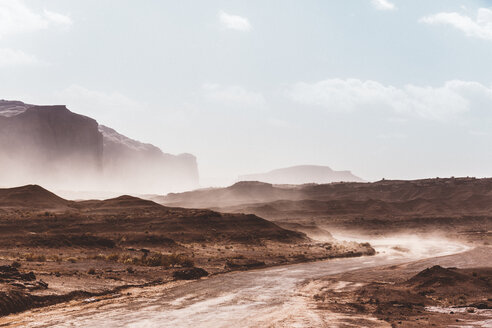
54 147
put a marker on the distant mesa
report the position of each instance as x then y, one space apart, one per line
59 149
302 174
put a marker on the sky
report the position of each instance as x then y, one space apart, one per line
385 88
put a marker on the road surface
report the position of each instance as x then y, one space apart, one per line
259 298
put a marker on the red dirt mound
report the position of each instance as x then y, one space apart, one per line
120 203
32 197
451 281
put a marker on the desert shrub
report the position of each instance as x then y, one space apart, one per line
166 260
156 259
128 259
72 259
99 256
56 258
15 264
185 261
30 257
149 259
113 257
91 271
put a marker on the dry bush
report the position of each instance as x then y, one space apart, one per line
30 257
151 259
99 256
56 258
113 257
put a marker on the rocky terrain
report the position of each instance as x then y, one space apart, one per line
52 146
409 296
302 174
458 206
54 250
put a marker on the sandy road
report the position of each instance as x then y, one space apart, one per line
259 298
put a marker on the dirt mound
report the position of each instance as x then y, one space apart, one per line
14 301
451 281
437 276
10 273
119 204
31 197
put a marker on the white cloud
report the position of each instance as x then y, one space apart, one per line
481 27
383 5
439 103
234 22
57 18
16 17
233 96
12 57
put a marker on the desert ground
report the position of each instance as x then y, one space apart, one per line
54 250
386 254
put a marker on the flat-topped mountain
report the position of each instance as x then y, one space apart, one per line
302 174
54 147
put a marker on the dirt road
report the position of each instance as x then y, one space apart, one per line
259 298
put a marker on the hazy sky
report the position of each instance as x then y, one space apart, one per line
384 88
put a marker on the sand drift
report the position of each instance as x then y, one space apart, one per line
259 298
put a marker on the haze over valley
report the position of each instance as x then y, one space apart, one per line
245 163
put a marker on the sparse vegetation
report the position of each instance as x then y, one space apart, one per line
31 257
151 259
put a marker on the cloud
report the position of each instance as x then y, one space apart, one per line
481 27
233 96
383 5
11 57
234 22
436 103
16 18
57 18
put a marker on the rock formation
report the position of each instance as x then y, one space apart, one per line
54 147
302 174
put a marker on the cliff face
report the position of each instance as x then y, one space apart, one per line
144 166
52 146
